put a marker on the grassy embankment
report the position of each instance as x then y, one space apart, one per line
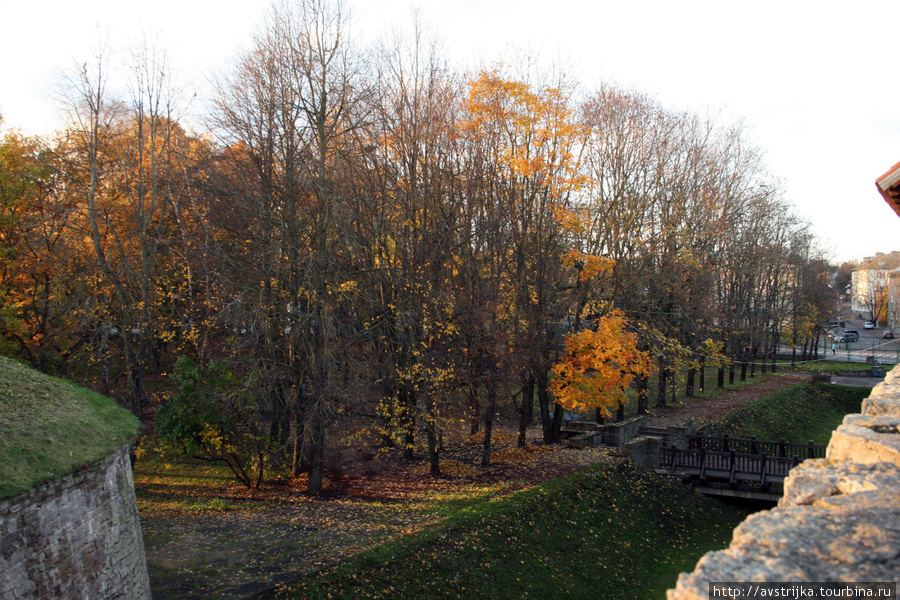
797 413
602 533
821 366
50 427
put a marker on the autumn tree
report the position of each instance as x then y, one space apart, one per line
598 365
118 161
288 115
43 290
405 232
526 142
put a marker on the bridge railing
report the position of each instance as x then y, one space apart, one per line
732 465
781 448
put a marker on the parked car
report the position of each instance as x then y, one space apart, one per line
888 334
850 335
868 325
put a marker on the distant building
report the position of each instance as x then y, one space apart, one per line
893 312
869 297
889 187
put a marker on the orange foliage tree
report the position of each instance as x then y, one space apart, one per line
598 365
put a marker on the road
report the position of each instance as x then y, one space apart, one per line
870 343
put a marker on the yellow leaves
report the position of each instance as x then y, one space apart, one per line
348 287
711 353
212 437
587 265
598 366
532 132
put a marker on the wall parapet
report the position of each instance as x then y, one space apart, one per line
839 518
75 537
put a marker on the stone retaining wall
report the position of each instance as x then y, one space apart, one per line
76 537
839 519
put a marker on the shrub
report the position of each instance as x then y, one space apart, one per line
214 416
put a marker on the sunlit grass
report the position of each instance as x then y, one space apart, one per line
822 366
180 483
797 413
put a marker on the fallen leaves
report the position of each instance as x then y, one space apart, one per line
497 437
517 455
452 468
209 536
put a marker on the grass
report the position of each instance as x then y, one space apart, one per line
180 483
50 427
602 533
797 413
821 366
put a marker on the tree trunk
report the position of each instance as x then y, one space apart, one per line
316 456
661 384
525 410
432 438
408 420
547 422
642 400
474 411
489 423
702 373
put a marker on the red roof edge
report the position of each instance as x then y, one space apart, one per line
889 187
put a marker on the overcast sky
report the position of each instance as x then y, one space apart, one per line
813 82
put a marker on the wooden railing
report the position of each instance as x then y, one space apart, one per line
781 448
731 466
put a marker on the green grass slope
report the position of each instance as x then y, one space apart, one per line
50 427
797 413
600 534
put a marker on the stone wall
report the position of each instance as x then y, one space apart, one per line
839 519
76 537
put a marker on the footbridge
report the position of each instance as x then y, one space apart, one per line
736 467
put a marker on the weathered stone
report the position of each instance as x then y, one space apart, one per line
820 478
866 439
841 538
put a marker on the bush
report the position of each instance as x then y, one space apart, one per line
214 417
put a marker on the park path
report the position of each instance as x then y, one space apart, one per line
703 410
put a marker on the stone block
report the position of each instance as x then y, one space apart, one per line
821 478
842 538
78 538
866 439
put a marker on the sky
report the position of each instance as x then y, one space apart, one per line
812 82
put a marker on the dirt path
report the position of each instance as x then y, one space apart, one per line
703 410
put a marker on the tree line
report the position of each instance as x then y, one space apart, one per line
371 233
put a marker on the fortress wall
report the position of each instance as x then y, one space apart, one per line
76 537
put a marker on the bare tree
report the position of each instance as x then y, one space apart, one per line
289 114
